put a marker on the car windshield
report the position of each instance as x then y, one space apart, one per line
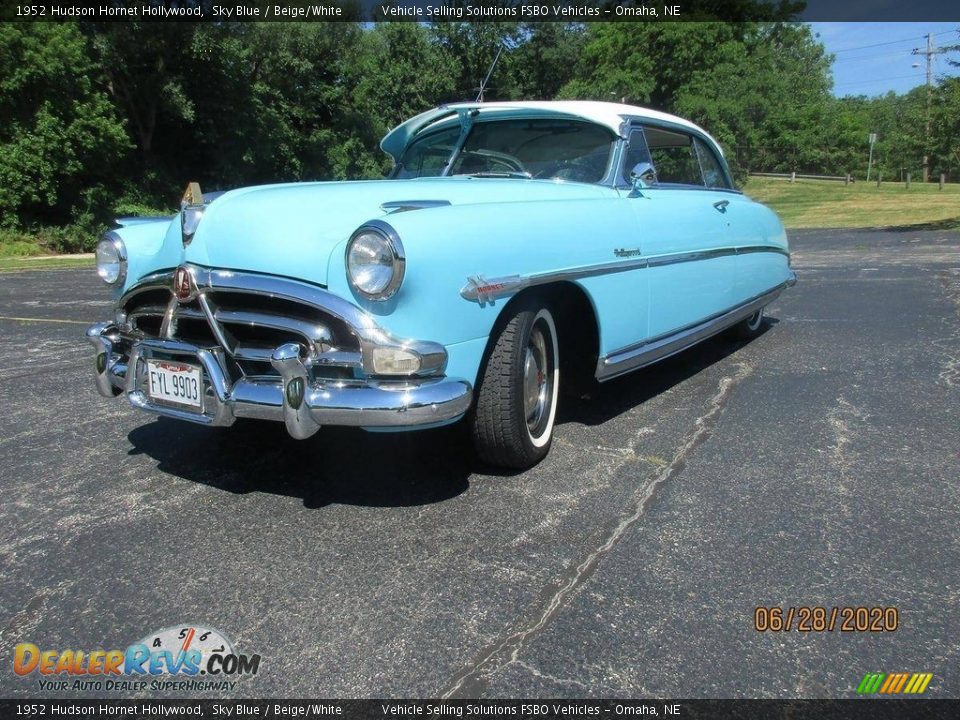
543 149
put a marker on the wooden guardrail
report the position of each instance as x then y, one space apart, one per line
846 179
793 176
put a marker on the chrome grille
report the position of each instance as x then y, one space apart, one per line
249 326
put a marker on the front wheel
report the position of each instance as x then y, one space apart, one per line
512 423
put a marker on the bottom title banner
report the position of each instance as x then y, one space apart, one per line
752 709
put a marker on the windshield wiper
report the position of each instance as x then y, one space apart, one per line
498 174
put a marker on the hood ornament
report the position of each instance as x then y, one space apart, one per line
192 206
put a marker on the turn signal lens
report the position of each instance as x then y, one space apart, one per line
395 361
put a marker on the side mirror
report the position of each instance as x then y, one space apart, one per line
643 176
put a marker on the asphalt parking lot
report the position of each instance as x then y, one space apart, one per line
818 465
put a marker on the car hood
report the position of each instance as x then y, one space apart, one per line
292 229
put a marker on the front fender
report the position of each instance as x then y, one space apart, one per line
151 246
447 245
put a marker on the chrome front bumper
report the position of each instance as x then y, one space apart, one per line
292 397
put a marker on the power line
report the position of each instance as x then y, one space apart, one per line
874 56
892 42
883 79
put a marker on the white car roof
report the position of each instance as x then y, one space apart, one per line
611 115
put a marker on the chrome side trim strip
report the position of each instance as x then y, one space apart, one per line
647 352
748 249
481 289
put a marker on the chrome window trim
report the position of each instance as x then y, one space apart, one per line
639 123
718 159
607 180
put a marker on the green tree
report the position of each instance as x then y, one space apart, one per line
237 103
60 138
946 129
614 64
391 85
546 58
761 88
273 101
765 93
470 48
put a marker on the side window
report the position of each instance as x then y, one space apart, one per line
637 152
427 157
674 157
713 175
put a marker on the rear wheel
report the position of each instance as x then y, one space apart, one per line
512 423
749 328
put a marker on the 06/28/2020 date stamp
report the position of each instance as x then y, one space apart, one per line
804 618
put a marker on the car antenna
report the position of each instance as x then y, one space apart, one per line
483 85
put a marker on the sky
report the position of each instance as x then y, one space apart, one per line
874 58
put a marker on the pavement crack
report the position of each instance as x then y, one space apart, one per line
29 617
840 419
472 680
552 678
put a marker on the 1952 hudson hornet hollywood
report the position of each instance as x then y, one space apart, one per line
515 248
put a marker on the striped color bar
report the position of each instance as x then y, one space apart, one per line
918 683
894 683
870 683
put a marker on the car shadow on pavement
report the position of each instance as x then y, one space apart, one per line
622 394
336 466
353 467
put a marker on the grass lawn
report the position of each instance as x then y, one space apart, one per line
825 203
9 263
803 204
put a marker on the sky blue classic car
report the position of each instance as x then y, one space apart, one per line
516 249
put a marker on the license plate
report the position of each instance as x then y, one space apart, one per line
174 382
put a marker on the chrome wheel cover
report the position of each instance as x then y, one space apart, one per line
538 378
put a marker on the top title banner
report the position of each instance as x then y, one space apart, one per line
480 10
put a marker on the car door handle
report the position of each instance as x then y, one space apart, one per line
721 205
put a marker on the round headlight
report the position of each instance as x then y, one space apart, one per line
112 259
375 261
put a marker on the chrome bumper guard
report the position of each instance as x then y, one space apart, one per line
304 405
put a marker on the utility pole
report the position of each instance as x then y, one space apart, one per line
929 52
872 138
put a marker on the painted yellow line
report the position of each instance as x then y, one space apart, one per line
926 681
46 320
